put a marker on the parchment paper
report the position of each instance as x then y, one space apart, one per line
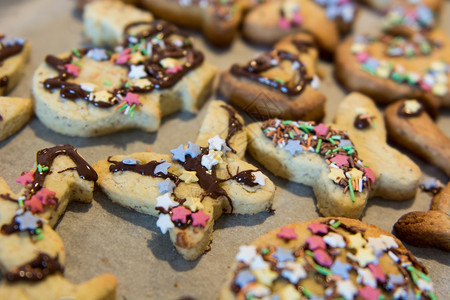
104 237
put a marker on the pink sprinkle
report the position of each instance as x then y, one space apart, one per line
132 98
425 86
46 196
340 160
411 14
362 56
343 1
369 293
124 56
317 227
174 69
297 18
321 129
199 218
369 174
377 272
283 23
25 178
72 69
180 213
287 233
316 242
323 258
34 204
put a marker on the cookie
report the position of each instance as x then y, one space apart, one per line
327 258
13 55
219 20
410 127
281 83
14 114
401 20
430 228
189 189
32 256
326 20
389 68
105 21
383 6
345 163
93 92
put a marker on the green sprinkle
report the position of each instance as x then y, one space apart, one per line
286 122
20 203
374 124
367 166
304 128
266 130
306 292
418 295
331 141
351 151
336 224
39 167
265 251
132 110
123 107
39 234
319 143
291 134
397 77
106 82
127 84
328 152
336 137
76 63
422 275
337 149
432 296
322 270
309 253
310 127
352 194
187 42
381 297
346 148
76 52
369 69
279 80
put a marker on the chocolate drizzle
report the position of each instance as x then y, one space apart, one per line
234 125
303 46
264 62
9 49
4 81
402 112
245 177
36 270
147 169
362 121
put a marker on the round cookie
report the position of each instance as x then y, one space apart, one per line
327 258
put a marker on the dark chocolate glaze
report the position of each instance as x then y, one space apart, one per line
303 46
8 197
361 123
234 125
402 113
262 63
4 81
36 270
10 50
147 169
14 227
45 157
245 177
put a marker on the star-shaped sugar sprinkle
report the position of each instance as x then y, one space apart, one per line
46 196
132 98
193 203
378 272
131 161
193 150
25 178
354 173
356 241
321 129
341 269
368 172
189 176
287 233
365 277
168 62
293 146
318 227
137 72
346 289
165 201
377 245
244 277
27 221
259 178
389 241
180 213
164 223
316 242
345 142
217 143
265 276
283 254
179 153
259 263
289 292
35 204
166 186
369 293
97 54
72 69
430 183
199 218
293 272
340 160
336 174
323 258
102 96
424 285
162 167
209 160
246 254
258 291
394 279
174 69
411 107
142 83
88 87
364 256
334 240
